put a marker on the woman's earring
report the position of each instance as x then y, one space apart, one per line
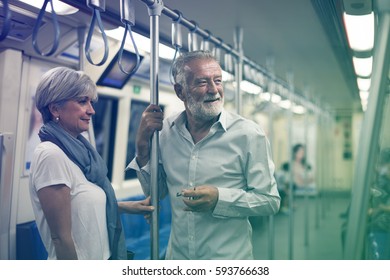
57 119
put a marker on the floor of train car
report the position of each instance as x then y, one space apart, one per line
325 217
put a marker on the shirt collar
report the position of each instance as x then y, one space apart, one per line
180 120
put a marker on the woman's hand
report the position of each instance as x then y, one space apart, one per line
136 207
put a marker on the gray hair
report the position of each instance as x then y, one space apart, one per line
178 71
59 85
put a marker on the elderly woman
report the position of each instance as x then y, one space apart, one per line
76 210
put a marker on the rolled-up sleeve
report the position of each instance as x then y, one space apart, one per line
143 175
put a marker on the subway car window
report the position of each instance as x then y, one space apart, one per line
104 125
136 109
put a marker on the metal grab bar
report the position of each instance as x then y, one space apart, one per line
56 30
235 53
7 21
96 6
128 18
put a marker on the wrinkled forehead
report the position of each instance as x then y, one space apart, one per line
202 67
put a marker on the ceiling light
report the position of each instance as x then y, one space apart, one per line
250 87
363 66
364 84
59 7
226 76
285 104
364 105
142 42
299 109
276 98
360 31
364 95
266 96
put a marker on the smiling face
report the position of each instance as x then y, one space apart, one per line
203 93
74 115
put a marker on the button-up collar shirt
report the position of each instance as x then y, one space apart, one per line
234 157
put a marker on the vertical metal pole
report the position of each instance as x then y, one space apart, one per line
155 10
291 169
326 167
7 227
319 166
306 197
271 220
271 227
238 38
368 145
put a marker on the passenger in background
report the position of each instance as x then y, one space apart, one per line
303 178
74 203
215 165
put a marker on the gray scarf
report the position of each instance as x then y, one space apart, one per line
85 156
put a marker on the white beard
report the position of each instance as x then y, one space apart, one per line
202 110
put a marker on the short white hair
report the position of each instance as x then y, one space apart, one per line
59 85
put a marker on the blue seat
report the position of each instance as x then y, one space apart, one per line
29 244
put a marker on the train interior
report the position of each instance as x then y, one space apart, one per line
288 65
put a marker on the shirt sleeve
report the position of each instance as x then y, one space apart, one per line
52 168
143 175
261 197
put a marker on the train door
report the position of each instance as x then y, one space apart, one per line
20 123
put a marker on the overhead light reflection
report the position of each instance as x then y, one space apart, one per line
59 7
142 42
285 104
226 76
276 98
299 109
250 87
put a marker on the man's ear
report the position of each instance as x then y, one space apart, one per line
179 91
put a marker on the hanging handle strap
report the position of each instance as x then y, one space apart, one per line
192 38
7 20
176 41
128 29
205 44
96 6
38 25
128 19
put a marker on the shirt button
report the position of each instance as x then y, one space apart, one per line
191 237
193 157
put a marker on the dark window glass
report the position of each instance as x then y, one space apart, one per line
104 125
137 107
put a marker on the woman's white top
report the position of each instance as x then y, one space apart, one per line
50 166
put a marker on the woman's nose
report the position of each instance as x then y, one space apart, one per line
90 110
